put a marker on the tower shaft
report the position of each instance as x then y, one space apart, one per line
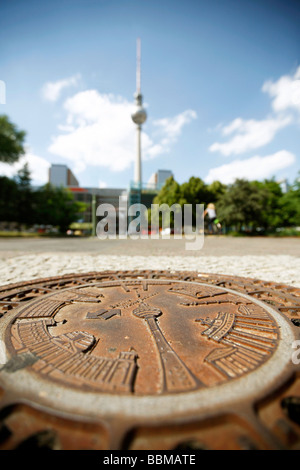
139 116
138 163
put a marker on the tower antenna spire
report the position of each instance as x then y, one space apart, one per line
138 66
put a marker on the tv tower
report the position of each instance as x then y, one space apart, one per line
139 116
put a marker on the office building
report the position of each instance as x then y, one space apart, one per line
61 175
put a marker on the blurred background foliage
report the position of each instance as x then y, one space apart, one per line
243 207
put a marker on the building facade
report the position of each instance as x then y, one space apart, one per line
158 179
61 175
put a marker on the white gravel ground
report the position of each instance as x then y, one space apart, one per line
277 268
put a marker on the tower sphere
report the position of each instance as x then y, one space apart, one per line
139 115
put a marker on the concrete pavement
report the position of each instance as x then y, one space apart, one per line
270 259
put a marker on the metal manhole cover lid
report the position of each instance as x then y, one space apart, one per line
149 360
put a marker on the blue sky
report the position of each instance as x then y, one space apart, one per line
220 81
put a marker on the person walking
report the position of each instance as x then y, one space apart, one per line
211 214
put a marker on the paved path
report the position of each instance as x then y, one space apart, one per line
270 259
213 245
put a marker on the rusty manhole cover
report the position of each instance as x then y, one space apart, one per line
149 360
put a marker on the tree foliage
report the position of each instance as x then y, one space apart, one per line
9 193
194 191
47 205
11 141
290 205
24 204
271 194
243 205
56 206
170 193
216 190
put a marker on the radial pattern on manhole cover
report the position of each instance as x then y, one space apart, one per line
149 360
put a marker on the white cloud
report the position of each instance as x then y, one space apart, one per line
102 184
254 168
249 134
99 132
172 127
154 150
246 135
66 128
285 92
38 167
52 90
102 133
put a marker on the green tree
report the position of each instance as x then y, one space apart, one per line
11 141
169 194
195 191
217 190
25 200
240 205
56 206
290 205
16 198
270 214
9 193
